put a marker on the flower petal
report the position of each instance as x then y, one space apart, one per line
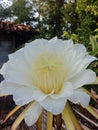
16 69
53 40
54 106
76 60
39 95
80 97
75 55
32 114
86 61
23 96
8 88
66 91
33 49
83 78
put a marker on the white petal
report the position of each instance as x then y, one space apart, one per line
69 43
15 54
17 77
8 88
86 61
53 40
76 53
33 49
80 48
16 70
53 106
38 95
66 91
73 58
66 43
23 96
83 78
80 97
32 114
76 60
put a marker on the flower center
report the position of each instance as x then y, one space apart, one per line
48 72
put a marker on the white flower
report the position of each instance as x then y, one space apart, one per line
48 72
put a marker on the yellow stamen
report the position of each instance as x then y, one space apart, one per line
48 72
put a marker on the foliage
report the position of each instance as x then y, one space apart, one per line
4 12
86 22
23 11
93 50
72 36
94 44
51 20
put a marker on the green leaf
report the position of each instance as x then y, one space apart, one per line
94 43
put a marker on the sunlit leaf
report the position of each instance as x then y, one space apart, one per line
20 118
67 119
49 121
39 123
92 111
89 93
11 112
